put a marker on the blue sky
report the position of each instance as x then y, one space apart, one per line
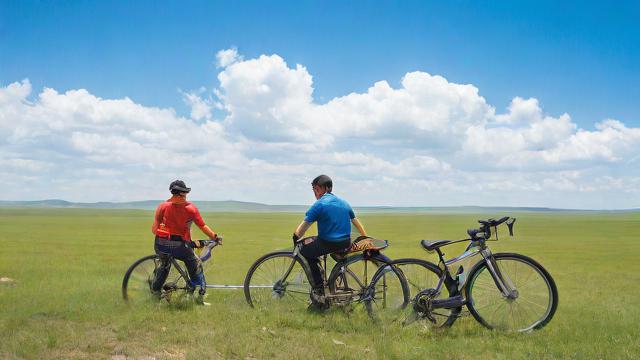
578 58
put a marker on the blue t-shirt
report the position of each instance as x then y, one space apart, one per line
333 216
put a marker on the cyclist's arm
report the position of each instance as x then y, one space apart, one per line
197 219
207 230
358 226
302 228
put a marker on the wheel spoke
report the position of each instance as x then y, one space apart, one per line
532 297
267 285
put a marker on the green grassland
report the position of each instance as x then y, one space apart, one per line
68 266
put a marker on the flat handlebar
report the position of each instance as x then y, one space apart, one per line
212 243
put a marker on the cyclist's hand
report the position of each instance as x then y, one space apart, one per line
218 239
295 239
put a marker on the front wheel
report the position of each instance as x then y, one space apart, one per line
277 279
530 305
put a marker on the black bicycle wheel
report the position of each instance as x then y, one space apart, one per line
136 285
349 281
532 305
421 275
277 279
388 294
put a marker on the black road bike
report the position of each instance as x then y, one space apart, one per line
505 291
361 275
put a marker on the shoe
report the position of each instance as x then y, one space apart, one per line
317 296
318 301
200 300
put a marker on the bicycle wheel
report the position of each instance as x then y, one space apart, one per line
388 294
277 279
421 275
136 285
349 283
532 305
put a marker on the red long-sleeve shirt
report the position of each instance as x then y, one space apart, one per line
175 216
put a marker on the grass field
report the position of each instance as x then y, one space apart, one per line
68 267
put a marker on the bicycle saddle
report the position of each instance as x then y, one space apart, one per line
363 243
433 244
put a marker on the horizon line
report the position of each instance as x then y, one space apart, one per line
4 202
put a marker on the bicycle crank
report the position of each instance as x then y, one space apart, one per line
424 303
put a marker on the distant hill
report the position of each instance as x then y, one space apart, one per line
222 206
242 206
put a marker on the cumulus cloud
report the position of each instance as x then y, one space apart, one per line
227 57
427 142
201 109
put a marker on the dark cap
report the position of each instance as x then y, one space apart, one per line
178 186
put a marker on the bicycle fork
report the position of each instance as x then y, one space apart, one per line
502 281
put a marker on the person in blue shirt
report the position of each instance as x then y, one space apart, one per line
334 217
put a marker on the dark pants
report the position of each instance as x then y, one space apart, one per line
313 247
180 250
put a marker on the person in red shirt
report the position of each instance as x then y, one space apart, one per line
172 230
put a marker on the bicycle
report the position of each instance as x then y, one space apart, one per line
136 285
505 291
282 278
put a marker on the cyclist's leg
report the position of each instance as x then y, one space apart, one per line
163 250
311 250
193 264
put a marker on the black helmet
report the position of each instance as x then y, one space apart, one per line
178 186
323 181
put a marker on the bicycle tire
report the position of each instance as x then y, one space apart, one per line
390 302
137 288
130 291
262 286
420 275
481 286
352 276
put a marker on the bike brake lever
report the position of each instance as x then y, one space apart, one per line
510 223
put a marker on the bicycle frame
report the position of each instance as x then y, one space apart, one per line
474 248
184 274
340 267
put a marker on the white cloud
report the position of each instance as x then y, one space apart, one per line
427 142
227 57
201 109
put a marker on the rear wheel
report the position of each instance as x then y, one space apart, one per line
531 305
136 285
349 282
277 279
422 275
388 294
